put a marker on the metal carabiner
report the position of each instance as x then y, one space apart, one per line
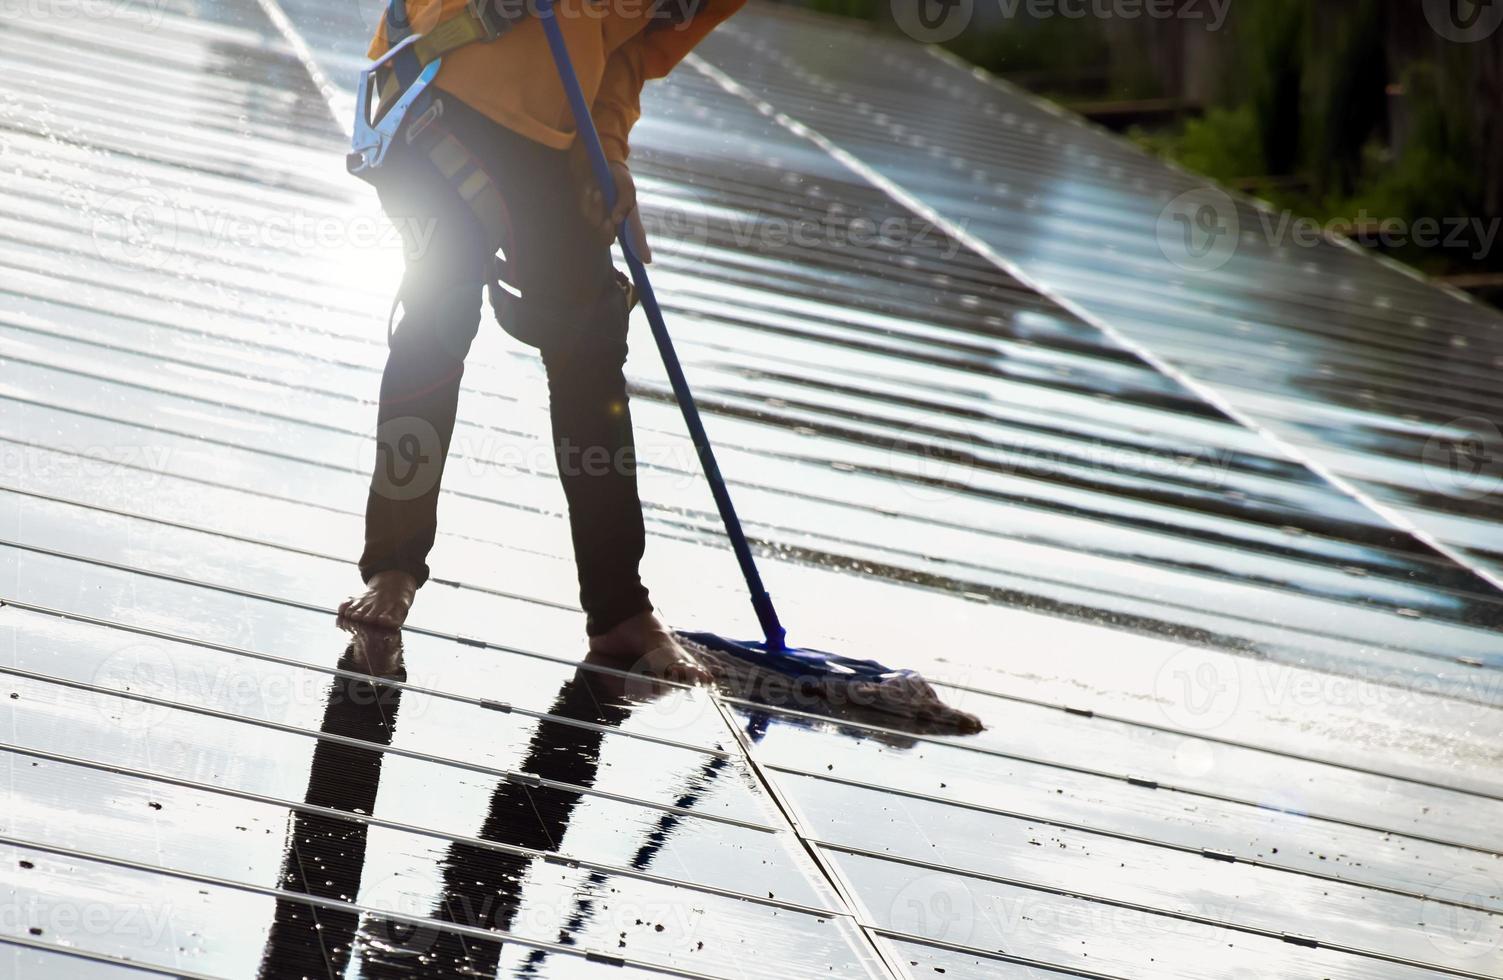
372 137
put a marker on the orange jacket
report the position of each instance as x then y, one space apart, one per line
512 79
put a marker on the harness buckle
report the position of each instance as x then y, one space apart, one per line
376 131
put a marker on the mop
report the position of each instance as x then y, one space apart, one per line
838 680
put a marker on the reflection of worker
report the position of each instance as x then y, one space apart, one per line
327 853
483 886
502 115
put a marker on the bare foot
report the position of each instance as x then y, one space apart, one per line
385 601
374 649
652 648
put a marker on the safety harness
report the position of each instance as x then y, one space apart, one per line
407 110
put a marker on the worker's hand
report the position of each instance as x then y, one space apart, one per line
593 204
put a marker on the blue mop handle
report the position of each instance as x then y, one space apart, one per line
761 601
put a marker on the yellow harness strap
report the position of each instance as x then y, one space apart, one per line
466 174
461 29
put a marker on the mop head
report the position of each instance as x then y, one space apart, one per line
828 684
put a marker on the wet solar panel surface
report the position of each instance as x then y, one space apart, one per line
1173 534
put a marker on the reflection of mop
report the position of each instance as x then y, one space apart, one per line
584 903
657 838
903 692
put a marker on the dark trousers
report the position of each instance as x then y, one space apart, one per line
571 308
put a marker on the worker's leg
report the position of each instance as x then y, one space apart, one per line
592 437
574 310
446 266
